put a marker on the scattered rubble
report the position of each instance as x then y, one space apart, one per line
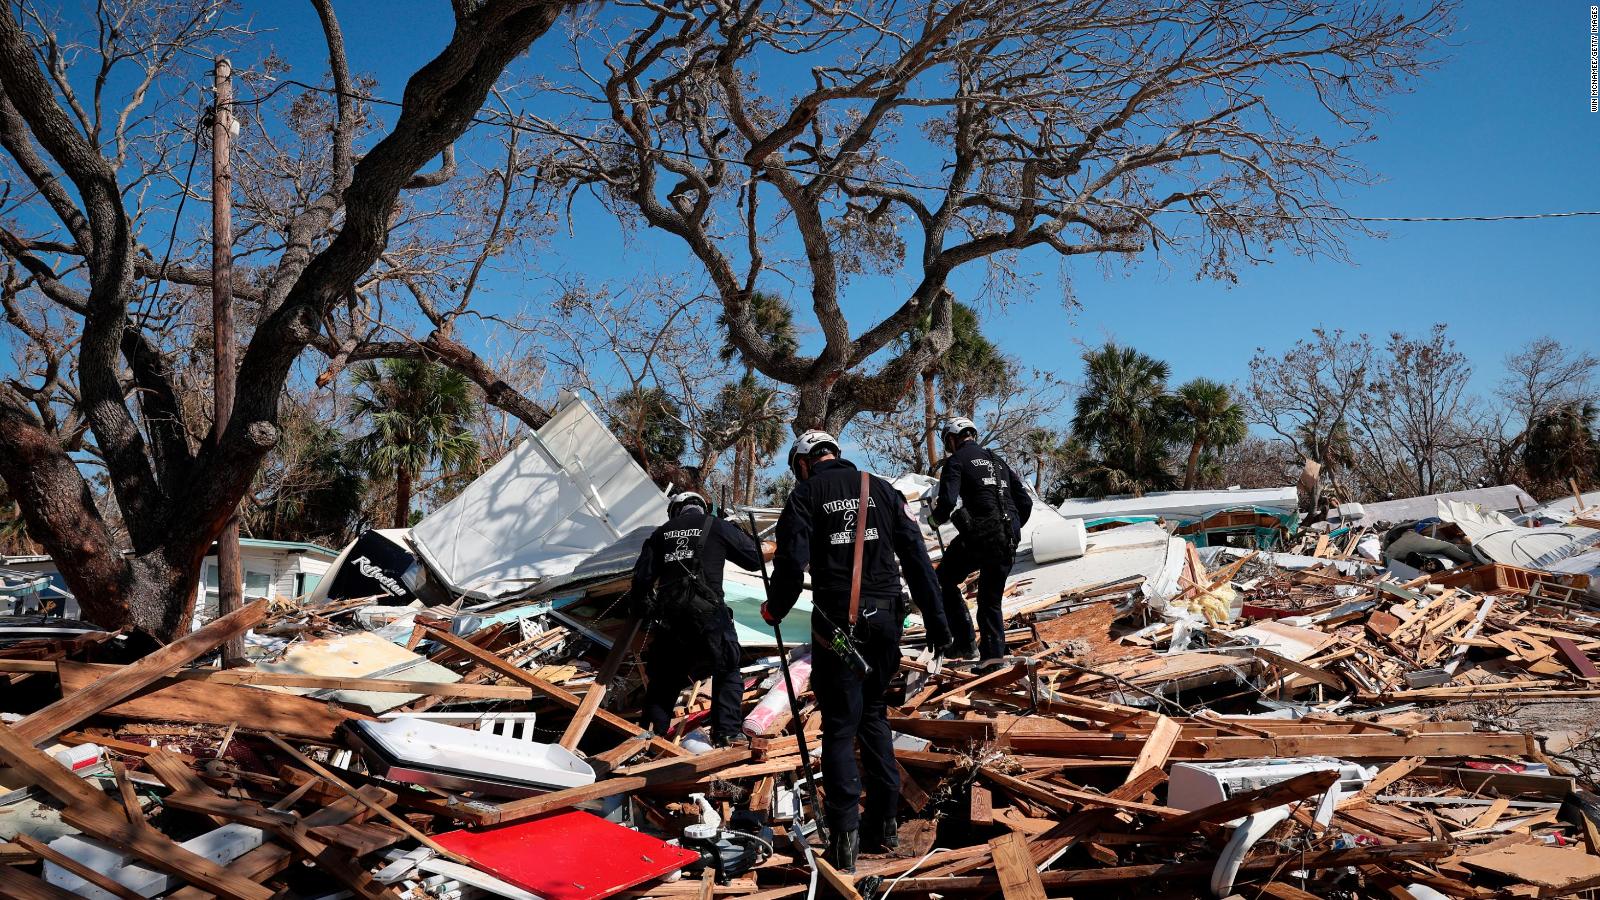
1171 719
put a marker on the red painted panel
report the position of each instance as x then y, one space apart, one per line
568 856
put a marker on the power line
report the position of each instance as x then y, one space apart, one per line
548 131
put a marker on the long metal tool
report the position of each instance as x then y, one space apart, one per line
934 525
788 682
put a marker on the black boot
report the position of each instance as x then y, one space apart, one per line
882 836
842 846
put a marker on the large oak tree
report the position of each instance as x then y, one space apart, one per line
794 142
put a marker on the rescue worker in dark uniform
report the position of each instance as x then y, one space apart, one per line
994 507
818 529
692 634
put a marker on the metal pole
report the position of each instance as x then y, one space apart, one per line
788 682
230 577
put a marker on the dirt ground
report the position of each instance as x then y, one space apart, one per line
1569 730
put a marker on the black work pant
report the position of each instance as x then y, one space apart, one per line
679 655
855 712
960 561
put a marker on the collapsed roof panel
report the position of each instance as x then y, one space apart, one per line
563 494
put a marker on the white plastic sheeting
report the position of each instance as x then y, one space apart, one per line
1180 503
566 492
1495 538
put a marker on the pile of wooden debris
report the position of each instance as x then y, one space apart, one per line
1291 745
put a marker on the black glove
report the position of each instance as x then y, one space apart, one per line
936 637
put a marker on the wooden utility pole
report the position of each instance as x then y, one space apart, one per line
230 578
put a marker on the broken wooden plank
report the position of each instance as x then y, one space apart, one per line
1157 747
1019 880
839 881
1576 658
1068 799
19 885
1290 790
159 852
559 694
664 771
125 682
382 811
981 806
1068 878
584 715
87 873
1347 746
1383 779
171 700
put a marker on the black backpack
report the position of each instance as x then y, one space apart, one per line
688 603
992 535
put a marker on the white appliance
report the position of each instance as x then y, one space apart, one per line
1198 785
417 751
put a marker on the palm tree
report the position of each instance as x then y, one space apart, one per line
313 489
774 321
972 362
1210 419
1039 445
746 417
418 412
649 422
1126 415
1563 444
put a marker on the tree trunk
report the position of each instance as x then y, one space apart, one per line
1191 472
750 472
928 424
402 497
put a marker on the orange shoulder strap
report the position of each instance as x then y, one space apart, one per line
861 540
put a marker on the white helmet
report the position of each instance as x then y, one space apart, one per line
954 428
677 502
810 444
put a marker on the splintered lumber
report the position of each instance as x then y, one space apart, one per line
844 884
1290 790
1575 657
1157 747
981 806
993 679
12 854
1019 880
1388 776
1068 799
39 769
1547 867
584 715
1322 859
559 694
108 691
1283 891
666 771
269 859
379 685
173 700
1347 746
19 885
383 811
87 873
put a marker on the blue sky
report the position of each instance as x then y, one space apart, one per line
1502 127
